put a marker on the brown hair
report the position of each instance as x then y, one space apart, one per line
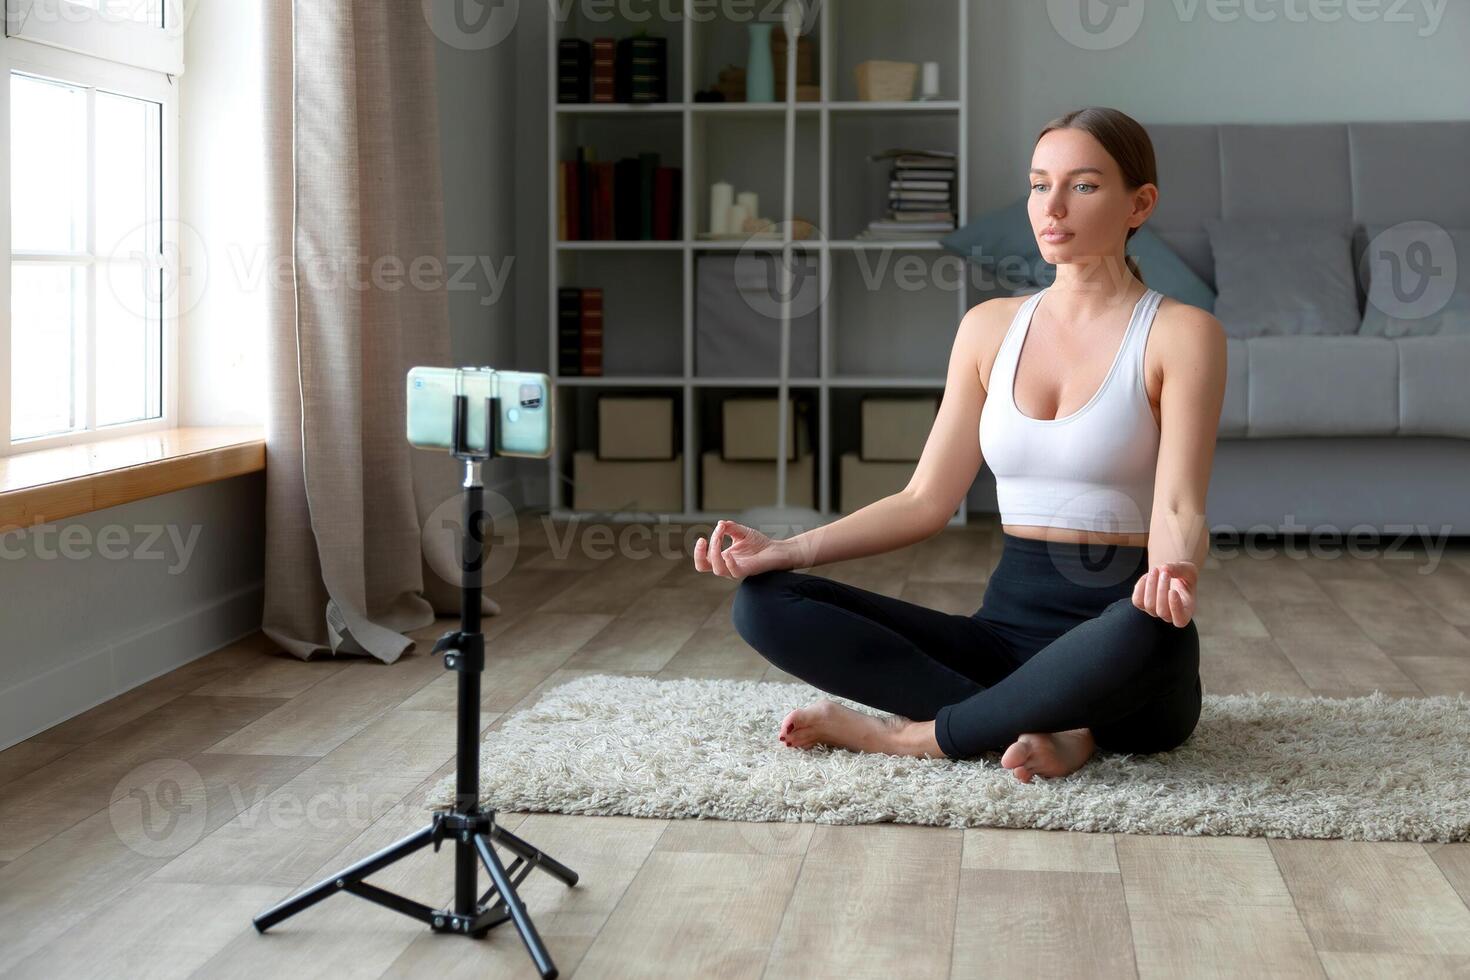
1126 141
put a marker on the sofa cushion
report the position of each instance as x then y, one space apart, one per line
1434 399
1411 274
1003 242
1284 277
1234 411
1322 386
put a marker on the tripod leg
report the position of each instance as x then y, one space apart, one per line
516 908
339 881
538 858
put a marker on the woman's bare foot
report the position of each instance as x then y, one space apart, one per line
828 723
1050 754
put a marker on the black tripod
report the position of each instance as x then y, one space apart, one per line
471 827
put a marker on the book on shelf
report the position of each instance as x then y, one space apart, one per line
641 69
885 224
573 70
909 184
579 317
917 216
632 199
911 159
603 60
908 195
921 189
606 69
928 173
878 235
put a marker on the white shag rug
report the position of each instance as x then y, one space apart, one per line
1258 765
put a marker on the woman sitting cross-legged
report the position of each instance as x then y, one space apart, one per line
1101 451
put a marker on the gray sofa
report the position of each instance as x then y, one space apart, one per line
1325 433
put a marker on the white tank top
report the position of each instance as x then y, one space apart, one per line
1092 470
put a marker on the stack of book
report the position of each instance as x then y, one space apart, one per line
579 331
634 198
921 198
630 69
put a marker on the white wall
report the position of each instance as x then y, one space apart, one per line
223 293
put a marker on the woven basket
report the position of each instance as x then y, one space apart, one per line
886 81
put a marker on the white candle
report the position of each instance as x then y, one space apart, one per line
735 223
720 195
931 80
747 200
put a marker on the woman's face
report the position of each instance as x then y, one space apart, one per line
1076 187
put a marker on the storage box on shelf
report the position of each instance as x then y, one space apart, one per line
742 472
893 430
635 427
627 457
675 321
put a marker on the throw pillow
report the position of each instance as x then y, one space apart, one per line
1284 276
1411 271
1002 242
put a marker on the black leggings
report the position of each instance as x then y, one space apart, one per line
1057 644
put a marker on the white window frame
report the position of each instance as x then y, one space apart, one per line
18 54
102 33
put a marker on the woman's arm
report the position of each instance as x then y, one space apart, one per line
946 469
1190 401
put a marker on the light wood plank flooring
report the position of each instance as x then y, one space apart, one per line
284 771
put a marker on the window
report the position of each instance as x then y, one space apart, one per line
89 335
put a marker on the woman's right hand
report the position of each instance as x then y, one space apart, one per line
749 553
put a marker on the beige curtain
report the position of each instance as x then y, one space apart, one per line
354 187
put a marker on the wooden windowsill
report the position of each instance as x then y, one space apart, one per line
51 484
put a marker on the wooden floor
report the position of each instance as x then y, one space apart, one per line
284 771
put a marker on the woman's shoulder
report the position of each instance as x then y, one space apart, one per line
1185 333
984 329
1179 317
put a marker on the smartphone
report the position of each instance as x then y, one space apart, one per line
523 427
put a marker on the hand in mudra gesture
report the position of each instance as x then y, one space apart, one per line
1167 591
749 553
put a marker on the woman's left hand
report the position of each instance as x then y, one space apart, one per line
1167 591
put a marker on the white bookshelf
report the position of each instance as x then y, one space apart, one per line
859 350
